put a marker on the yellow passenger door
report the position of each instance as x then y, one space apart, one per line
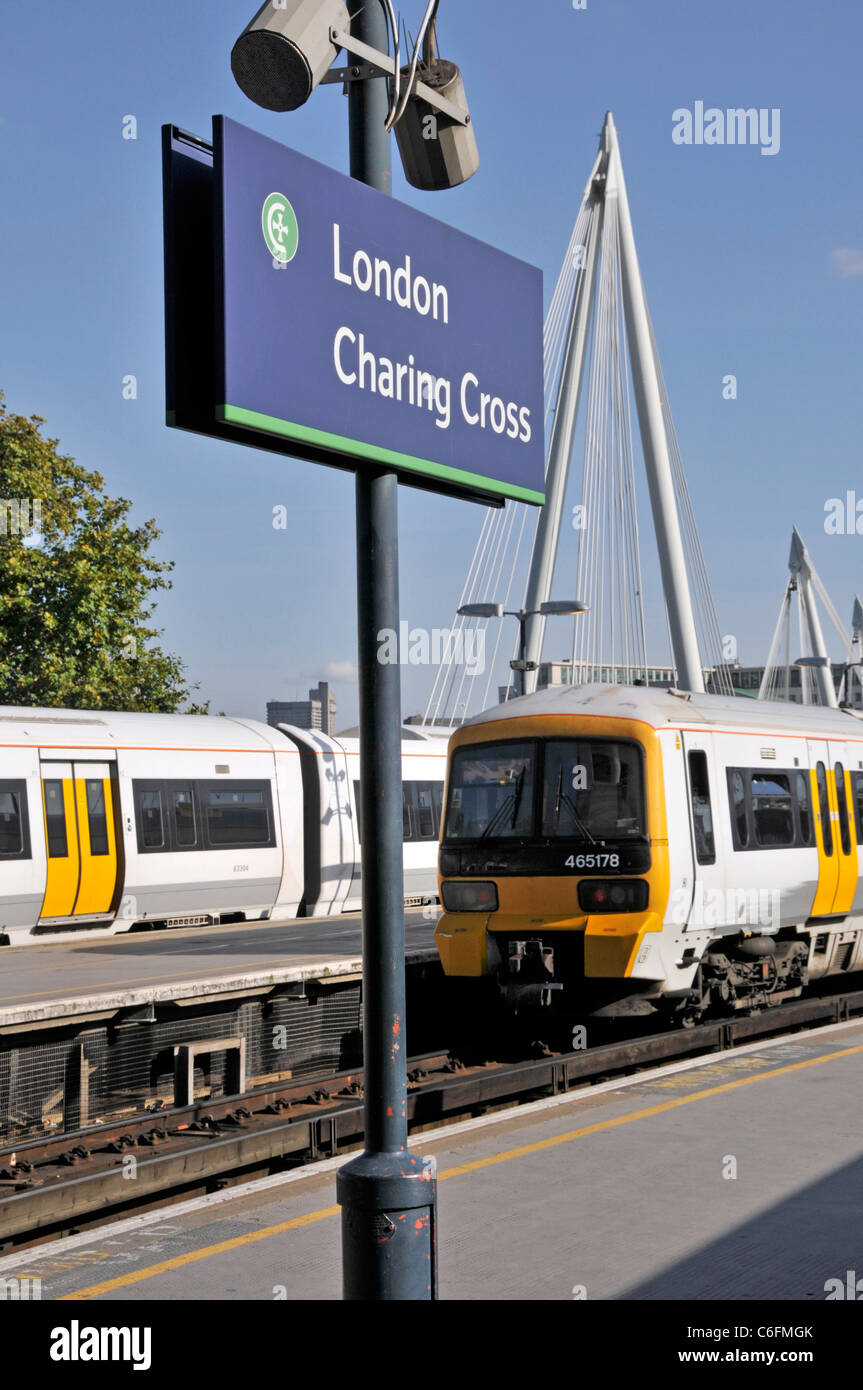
78 805
827 837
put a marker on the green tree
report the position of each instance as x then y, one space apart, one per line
76 587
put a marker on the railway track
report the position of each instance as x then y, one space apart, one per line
68 1183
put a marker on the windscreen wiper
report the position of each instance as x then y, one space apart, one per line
514 798
579 823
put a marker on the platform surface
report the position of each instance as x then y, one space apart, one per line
82 977
736 1177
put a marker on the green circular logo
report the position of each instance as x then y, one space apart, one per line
280 227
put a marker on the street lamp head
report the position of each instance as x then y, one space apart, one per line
481 610
562 607
280 58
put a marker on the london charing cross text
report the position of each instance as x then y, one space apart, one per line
358 365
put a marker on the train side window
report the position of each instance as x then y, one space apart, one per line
842 803
151 826
407 817
772 810
357 804
804 810
55 819
185 820
14 827
857 785
437 803
737 799
824 806
96 816
702 817
425 814
237 816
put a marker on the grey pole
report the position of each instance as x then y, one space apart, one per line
388 1197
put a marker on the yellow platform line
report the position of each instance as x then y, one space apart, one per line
179 1261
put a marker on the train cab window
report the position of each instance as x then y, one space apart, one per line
150 821
772 810
592 789
804 811
737 796
14 830
183 810
824 807
236 817
97 821
55 819
842 802
702 818
491 792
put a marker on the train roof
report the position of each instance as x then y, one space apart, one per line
79 728
663 708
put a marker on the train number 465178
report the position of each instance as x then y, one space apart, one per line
593 861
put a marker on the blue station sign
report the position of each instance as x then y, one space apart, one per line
351 328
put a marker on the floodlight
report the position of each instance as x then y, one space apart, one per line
437 151
560 607
481 610
280 58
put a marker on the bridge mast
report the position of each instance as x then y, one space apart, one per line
607 182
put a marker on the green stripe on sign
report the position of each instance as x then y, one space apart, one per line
271 424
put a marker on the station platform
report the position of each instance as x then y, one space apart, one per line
735 1177
78 978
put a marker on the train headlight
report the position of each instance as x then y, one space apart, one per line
613 895
469 897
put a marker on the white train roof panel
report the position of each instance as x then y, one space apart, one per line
664 708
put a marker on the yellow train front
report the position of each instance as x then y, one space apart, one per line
554 855
614 850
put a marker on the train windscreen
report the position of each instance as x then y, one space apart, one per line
573 789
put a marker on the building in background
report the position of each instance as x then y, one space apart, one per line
745 680
318 712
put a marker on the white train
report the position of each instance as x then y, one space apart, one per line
110 822
621 849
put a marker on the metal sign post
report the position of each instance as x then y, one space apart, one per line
388 1197
311 317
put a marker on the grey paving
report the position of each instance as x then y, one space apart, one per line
44 982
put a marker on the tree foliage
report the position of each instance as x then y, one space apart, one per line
76 588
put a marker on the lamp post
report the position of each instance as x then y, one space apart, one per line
551 608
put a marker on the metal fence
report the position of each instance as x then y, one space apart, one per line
64 1080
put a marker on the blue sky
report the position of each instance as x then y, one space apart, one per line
738 253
